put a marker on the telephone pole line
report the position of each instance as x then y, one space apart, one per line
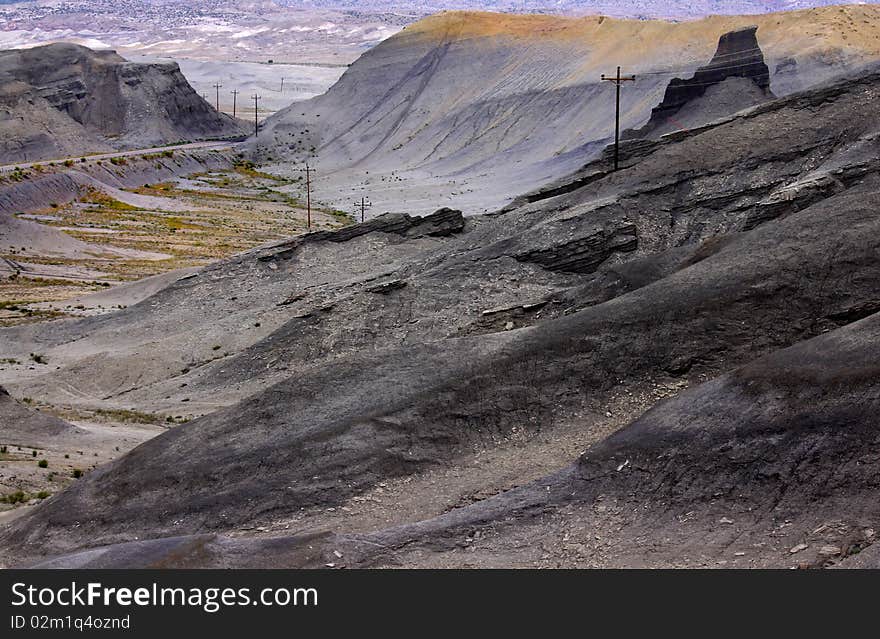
256 99
617 80
217 87
363 205
308 172
234 99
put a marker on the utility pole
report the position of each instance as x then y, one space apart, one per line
617 80
234 98
217 87
363 205
256 99
282 85
308 172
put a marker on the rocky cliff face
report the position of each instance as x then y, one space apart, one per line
64 99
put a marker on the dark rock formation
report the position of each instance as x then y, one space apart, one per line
738 56
585 254
441 223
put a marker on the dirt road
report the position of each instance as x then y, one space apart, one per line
216 145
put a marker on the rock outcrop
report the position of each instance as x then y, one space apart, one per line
63 99
737 77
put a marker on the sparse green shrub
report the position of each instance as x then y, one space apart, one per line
39 359
76 473
43 463
43 494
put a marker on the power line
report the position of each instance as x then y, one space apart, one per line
705 67
308 171
234 98
217 87
363 205
256 98
617 80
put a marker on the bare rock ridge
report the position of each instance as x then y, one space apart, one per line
441 223
738 56
64 99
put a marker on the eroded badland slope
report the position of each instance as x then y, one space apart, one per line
419 391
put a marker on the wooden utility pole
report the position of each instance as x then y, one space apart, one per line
617 81
363 205
282 85
217 88
308 172
256 99
234 99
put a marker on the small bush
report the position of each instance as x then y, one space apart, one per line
14 498
76 473
43 494
43 463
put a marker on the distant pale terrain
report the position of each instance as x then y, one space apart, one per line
301 82
225 30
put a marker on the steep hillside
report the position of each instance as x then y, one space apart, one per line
60 100
467 109
412 369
